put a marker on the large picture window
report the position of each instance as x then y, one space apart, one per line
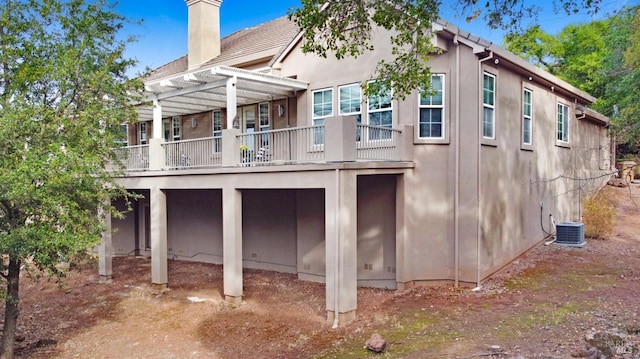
431 118
488 105
563 123
527 117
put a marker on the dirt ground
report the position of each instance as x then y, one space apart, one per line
540 306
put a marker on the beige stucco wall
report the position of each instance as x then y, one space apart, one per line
465 209
516 180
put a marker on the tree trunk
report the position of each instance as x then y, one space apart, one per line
11 309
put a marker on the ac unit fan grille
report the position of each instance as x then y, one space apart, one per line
570 234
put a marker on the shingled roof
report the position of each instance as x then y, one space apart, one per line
260 42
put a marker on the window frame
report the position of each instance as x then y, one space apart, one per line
176 128
357 113
563 123
527 118
371 110
489 106
216 130
431 106
143 136
264 116
318 120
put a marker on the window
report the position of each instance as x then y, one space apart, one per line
350 100
527 119
176 125
431 118
123 136
488 105
171 129
563 123
217 131
263 116
322 108
143 133
380 114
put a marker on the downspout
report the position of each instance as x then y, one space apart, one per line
456 195
479 182
336 284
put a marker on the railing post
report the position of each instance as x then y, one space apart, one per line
340 139
230 147
156 154
405 143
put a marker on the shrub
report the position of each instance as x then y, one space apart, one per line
598 214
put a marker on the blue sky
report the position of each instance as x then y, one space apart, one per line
162 37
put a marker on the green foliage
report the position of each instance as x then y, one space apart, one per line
598 215
63 95
343 28
596 57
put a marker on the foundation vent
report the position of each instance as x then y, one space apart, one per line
570 234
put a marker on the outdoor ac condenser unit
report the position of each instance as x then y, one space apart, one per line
570 234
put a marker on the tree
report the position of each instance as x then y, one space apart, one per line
63 95
344 28
597 57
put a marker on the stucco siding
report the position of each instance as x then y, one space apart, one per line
194 225
376 231
269 229
123 229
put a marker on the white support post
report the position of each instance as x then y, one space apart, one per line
341 248
159 275
157 119
105 250
232 244
232 101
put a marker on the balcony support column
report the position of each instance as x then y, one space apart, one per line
340 139
159 276
232 244
230 147
157 119
105 249
341 238
232 102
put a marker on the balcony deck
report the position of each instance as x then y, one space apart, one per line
336 142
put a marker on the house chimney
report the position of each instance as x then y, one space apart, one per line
204 31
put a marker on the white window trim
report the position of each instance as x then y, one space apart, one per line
315 118
566 123
262 127
217 134
526 117
176 120
442 107
493 107
352 113
143 134
369 111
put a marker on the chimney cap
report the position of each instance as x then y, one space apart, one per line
212 2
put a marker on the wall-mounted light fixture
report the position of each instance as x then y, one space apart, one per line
496 61
194 122
280 110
